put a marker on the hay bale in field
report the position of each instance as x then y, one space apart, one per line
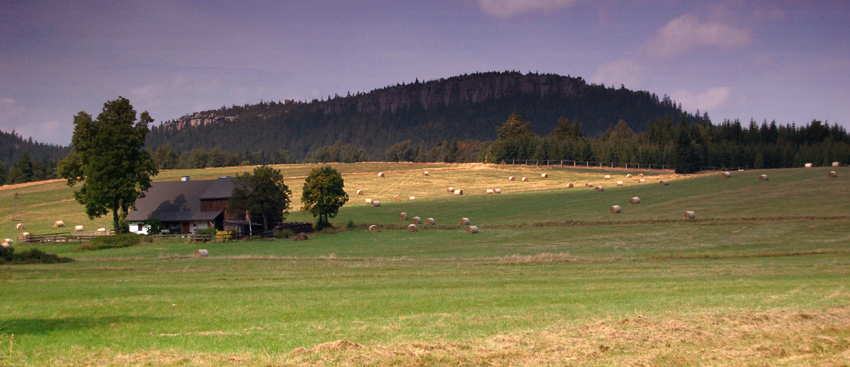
490 191
836 164
498 191
600 188
642 180
301 237
614 209
607 177
24 235
202 253
6 242
450 190
640 174
544 176
20 226
416 220
368 201
412 228
78 228
832 174
360 192
376 203
629 175
463 221
663 182
458 192
511 178
525 179
689 215
472 229
411 198
425 173
430 221
374 228
634 200
58 224
101 229
381 174
570 185
763 178
727 174
808 165
396 198
402 216
619 183
588 184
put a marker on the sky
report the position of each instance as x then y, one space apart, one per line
783 61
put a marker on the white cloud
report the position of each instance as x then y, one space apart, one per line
509 8
708 100
623 71
687 32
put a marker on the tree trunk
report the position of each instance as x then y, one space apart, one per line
115 222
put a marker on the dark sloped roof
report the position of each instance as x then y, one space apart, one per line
219 189
176 201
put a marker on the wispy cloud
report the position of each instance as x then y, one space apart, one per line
687 33
509 8
708 100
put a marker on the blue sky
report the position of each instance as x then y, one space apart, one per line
787 61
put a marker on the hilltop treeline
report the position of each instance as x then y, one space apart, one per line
24 160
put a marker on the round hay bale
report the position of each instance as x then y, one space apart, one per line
463 221
412 228
6 242
416 220
836 164
411 198
689 215
619 183
396 198
663 182
544 176
832 174
430 221
450 190
570 185
634 200
588 184
614 209
202 253
640 174
511 178
600 188
374 228
78 228
58 224
629 175
24 235
301 237
101 229
808 165
402 216
763 178
491 191
458 192
472 229
381 174
727 174
607 177
360 192
425 173
19 226
642 180
498 191
368 201
525 179
376 203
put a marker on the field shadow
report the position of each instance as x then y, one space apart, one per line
47 325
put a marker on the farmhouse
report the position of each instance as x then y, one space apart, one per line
186 206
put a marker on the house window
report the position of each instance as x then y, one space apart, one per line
141 228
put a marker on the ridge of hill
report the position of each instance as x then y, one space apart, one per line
468 106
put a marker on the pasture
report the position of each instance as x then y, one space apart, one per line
760 277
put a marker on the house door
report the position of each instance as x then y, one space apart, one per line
184 227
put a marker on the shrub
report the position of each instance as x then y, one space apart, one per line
224 236
33 256
283 233
117 241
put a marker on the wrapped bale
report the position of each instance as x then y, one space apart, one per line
376 203
727 174
808 165
360 192
463 221
511 178
525 179
634 200
472 229
6 242
588 184
396 198
640 174
763 178
832 174
416 220
498 191
458 192
629 175
20 226
663 182
430 221
570 185
202 253
58 224
544 176
78 228
450 190
607 177
614 209
689 215
836 164
368 201
619 183
600 188
402 216
381 174
425 173
412 198
491 191
642 180
374 228
412 228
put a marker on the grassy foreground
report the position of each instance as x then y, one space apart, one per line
759 278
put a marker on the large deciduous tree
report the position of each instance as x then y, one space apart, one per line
262 194
323 195
108 158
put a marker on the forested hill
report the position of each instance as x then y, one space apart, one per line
461 107
13 145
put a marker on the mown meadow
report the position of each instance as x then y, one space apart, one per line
552 278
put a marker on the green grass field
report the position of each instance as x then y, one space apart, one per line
760 277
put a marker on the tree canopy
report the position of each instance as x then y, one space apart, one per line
324 194
263 194
108 158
